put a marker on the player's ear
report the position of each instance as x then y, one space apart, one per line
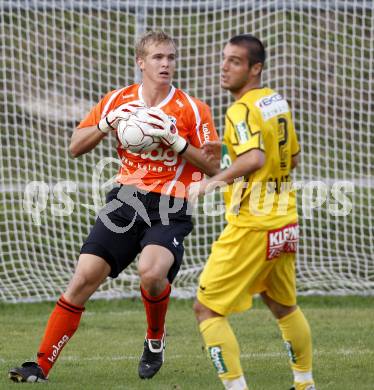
140 63
256 69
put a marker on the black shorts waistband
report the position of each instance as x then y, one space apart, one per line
136 201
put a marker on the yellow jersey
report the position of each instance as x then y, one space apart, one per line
261 119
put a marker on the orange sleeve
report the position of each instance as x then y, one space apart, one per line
206 131
94 116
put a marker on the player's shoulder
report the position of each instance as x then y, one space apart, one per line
254 97
271 104
121 92
256 101
265 97
239 110
121 95
190 100
128 92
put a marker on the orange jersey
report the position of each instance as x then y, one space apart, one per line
161 170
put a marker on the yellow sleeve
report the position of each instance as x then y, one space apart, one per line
245 133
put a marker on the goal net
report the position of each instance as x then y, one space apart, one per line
58 58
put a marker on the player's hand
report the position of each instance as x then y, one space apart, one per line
146 116
110 122
169 133
212 150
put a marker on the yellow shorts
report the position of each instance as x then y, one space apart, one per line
240 266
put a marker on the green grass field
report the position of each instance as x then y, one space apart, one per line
104 352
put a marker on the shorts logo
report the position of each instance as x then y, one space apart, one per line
215 354
175 242
282 240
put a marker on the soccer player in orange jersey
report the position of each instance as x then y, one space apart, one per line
145 214
256 251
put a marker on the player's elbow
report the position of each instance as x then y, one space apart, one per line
258 160
74 150
295 161
77 143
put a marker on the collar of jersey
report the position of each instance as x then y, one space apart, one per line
164 102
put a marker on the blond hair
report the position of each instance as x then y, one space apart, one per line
150 37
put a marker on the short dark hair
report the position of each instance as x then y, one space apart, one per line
256 49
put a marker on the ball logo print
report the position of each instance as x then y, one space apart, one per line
134 132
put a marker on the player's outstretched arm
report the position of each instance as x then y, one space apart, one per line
244 165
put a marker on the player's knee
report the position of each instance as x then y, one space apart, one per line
279 311
151 276
197 307
201 311
82 281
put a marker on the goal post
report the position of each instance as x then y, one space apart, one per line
60 57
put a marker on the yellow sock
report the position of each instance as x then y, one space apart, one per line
297 338
304 386
223 349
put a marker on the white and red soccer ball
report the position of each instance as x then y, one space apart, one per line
134 132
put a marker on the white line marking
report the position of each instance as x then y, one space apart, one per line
244 356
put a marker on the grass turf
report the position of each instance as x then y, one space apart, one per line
104 352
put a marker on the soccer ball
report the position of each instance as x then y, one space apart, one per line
133 133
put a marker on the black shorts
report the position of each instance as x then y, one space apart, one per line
131 220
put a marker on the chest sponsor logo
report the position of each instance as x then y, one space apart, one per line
272 105
283 240
167 156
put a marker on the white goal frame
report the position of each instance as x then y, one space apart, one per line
59 57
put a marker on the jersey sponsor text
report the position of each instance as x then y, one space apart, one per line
272 105
282 240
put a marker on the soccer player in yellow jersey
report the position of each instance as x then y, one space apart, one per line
256 251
